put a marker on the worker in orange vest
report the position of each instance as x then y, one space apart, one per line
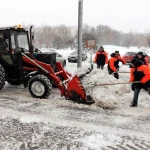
139 72
113 63
101 58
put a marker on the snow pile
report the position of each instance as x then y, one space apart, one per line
81 71
112 96
106 96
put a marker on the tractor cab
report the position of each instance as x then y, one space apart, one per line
13 41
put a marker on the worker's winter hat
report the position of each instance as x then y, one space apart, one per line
101 47
112 55
136 62
117 52
140 53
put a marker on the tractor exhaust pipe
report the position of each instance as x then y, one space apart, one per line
31 45
31 34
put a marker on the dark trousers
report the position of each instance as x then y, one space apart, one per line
116 75
135 97
99 66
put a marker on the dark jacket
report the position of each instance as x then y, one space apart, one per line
101 58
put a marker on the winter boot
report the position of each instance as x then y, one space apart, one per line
133 105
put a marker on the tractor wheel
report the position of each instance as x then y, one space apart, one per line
2 77
40 86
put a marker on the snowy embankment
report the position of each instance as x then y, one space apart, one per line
111 96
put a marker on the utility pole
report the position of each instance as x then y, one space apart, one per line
80 21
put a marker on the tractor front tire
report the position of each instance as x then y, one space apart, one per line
2 77
40 86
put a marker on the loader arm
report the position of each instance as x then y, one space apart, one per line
71 87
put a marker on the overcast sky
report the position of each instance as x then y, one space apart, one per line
124 15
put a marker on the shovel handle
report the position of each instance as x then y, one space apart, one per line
117 83
117 69
123 72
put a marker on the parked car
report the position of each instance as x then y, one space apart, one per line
74 56
59 57
130 55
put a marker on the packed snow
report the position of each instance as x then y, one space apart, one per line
111 96
55 123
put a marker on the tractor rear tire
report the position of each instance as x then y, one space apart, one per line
40 86
2 77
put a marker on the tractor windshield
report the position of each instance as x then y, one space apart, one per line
22 40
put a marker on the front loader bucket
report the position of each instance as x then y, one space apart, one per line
77 92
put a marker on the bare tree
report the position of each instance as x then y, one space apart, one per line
60 36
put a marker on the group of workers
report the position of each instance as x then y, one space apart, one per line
139 70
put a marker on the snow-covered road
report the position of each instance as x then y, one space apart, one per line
55 123
27 123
